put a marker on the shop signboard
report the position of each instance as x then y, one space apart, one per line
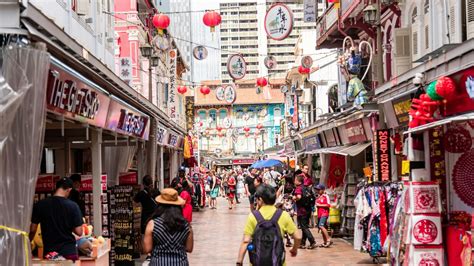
383 155
401 107
243 161
189 112
160 135
75 98
173 140
128 178
86 182
310 10
355 131
128 121
330 138
172 101
311 143
289 148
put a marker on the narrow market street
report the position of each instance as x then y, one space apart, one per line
217 236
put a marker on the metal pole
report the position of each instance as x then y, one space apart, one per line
96 150
379 59
199 151
150 82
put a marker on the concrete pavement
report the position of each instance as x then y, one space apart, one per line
218 234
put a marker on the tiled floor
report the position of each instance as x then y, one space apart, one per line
217 236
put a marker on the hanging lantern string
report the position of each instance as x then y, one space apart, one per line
326 54
192 11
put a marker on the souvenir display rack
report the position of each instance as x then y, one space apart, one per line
348 207
125 233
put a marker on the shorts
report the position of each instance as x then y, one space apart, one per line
323 221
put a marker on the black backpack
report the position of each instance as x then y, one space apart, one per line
308 198
269 249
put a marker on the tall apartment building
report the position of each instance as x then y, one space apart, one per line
189 31
242 31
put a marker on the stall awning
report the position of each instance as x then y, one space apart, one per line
348 150
445 121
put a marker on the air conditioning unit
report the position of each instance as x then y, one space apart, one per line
83 7
470 19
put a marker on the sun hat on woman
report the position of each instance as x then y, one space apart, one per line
170 196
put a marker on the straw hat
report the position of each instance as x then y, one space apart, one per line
170 196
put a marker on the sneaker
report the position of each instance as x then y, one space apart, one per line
289 245
312 246
302 247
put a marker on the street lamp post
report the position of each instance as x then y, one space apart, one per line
298 93
147 52
372 16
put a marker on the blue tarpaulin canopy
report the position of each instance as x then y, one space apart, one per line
266 163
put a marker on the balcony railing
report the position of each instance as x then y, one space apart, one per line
328 19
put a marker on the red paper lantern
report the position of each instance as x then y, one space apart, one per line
182 89
220 135
218 128
446 88
259 126
303 70
161 22
246 129
262 82
247 134
205 90
212 19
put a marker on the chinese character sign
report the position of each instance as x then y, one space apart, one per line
236 66
125 69
172 97
279 22
189 112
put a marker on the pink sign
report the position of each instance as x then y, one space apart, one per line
128 121
74 98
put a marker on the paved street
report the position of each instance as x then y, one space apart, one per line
217 236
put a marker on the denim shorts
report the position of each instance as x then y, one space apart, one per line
323 221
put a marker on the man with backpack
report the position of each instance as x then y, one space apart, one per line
264 231
305 200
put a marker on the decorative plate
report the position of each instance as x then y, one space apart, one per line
227 123
230 94
270 62
220 93
200 52
278 22
236 66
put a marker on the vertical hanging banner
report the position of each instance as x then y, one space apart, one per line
189 112
172 59
310 10
125 69
384 168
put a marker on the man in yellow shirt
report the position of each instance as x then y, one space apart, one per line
265 197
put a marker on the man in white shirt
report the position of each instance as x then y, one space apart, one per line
271 177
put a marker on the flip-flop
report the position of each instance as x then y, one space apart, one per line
328 244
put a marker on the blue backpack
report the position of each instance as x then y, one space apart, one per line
268 248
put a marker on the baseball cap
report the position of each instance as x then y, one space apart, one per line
65 183
320 187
